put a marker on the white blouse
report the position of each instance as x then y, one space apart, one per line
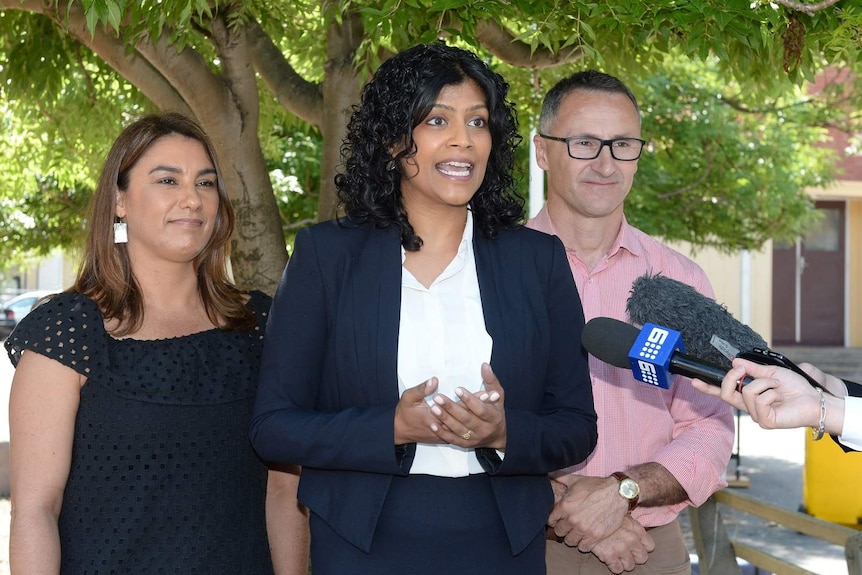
442 333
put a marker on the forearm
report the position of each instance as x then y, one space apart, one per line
34 542
286 524
657 485
353 439
696 458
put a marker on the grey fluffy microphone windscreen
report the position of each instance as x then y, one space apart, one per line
670 303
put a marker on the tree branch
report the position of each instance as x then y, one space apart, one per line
33 6
704 177
292 226
232 48
301 97
737 105
501 42
111 49
186 71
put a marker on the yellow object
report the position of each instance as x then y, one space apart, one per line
830 487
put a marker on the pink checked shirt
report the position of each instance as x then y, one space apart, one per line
688 432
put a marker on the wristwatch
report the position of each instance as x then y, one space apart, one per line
629 489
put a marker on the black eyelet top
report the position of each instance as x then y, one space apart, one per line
163 478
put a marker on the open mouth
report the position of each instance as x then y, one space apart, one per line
455 169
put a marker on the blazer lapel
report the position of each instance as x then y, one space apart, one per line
492 284
376 306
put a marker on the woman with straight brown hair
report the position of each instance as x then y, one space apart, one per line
133 389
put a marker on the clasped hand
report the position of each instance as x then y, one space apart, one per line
475 420
587 510
582 517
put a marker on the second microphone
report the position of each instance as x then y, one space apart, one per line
654 353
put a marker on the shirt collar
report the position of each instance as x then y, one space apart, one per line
626 238
466 238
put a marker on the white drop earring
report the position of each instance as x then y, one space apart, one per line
121 233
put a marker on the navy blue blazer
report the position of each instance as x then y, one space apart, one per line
329 387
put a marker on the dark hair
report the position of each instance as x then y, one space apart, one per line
399 96
105 274
589 80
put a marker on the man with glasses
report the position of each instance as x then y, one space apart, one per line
658 450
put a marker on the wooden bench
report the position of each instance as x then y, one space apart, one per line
717 552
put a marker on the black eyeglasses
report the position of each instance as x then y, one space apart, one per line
586 148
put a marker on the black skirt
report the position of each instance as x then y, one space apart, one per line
430 525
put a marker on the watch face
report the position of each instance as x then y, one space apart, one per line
629 488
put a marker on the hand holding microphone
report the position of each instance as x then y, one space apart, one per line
774 390
776 396
779 398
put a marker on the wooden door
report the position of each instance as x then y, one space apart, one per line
808 283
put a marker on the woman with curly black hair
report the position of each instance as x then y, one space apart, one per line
399 100
423 360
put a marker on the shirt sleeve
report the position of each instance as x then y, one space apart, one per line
68 328
851 436
703 432
289 424
702 443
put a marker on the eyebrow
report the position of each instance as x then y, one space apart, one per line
611 138
176 170
470 109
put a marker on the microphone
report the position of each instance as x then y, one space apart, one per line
663 301
653 353
660 300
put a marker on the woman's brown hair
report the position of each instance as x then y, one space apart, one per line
105 274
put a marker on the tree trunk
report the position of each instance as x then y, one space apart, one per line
341 87
258 252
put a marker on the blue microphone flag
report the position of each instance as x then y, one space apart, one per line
651 354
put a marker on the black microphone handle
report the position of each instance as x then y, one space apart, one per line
682 364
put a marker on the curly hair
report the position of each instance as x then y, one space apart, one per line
399 97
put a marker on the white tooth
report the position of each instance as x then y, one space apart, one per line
448 168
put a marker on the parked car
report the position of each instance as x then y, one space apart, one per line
16 308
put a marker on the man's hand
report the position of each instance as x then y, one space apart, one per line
590 510
626 548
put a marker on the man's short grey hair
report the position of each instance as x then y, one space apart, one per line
588 80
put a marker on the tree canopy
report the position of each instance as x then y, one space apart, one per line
734 128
